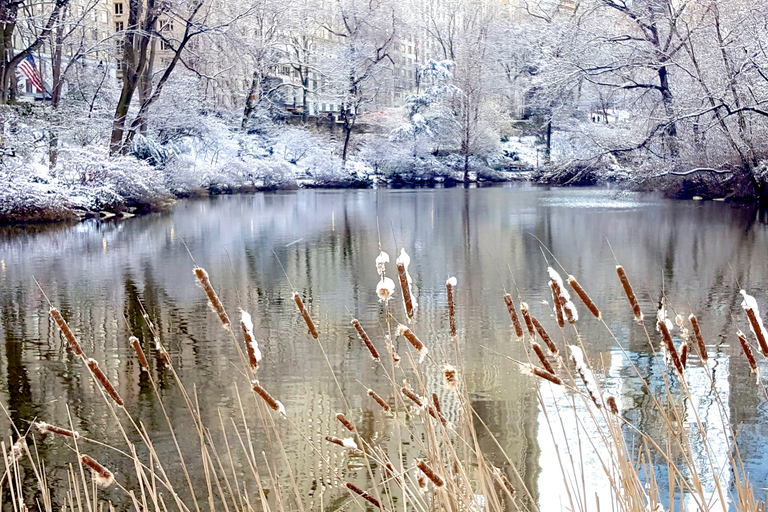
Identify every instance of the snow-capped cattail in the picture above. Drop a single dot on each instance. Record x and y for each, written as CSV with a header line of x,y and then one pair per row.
x,y
430,473
404,331
684,354
347,443
583,296
747,351
102,476
556,300
305,314
544,336
344,421
251,345
587,377
662,326
44,429
391,348
381,260
412,395
513,315
542,357
562,298
449,284
136,344
611,403
275,405
93,365
384,405
385,289
72,342
367,497
366,340
213,299
527,317
755,322
451,377
699,339
630,293
529,369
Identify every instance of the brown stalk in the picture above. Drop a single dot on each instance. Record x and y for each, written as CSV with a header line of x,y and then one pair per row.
x,y
542,357
429,473
216,304
630,293
139,352
344,421
66,331
305,314
544,336
513,315
363,336
699,339
93,365
406,291
583,296
367,497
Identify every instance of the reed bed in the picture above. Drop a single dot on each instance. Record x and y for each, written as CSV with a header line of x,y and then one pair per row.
x,y
434,459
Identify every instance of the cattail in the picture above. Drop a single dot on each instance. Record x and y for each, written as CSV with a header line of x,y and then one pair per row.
x,y
93,365
527,317
755,322
542,374
344,421
630,293
413,396
662,325
544,336
367,497
403,262
587,377
72,342
385,289
699,339
366,339
451,377
305,314
513,315
103,476
164,355
381,260
384,405
430,473
747,350
251,345
503,481
391,348
584,297
684,354
562,298
404,331
451,308
44,429
558,308
213,299
611,402
347,443
275,405
139,352
542,357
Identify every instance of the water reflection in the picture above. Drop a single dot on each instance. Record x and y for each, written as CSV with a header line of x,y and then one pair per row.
x,y
101,275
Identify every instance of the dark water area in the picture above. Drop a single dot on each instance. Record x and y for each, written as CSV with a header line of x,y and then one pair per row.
x,y
101,274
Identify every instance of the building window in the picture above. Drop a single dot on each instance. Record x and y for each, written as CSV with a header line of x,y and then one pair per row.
x,y
118,9
167,45
119,26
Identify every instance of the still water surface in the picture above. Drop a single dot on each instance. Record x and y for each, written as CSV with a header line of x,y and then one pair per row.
x,y
99,273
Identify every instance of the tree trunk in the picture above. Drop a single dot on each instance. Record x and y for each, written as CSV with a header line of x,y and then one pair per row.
x,y
548,150
121,112
251,100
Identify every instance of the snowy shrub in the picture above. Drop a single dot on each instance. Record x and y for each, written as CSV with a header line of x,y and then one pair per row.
x,y
25,199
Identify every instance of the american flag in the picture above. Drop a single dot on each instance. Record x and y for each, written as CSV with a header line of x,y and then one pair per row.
x,y
28,68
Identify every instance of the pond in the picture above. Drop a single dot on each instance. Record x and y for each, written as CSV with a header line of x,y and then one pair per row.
x,y
259,248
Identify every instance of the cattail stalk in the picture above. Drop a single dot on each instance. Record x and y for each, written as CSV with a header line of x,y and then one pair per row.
x,y
305,314
527,317
406,289
404,331
747,351
451,307
72,342
630,293
513,315
424,467
216,304
662,325
139,353
544,336
103,476
344,421
364,336
275,405
699,339
384,405
367,497
44,428
584,297
542,357
93,365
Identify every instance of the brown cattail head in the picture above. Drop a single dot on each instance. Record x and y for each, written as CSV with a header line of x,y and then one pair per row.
x,y
451,377
513,315
542,374
72,342
93,365
364,336
747,351
416,399
384,405
136,344
103,476
344,421
662,325
404,331
305,314
611,402
556,299
527,317
451,308
503,482
405,288
347,443
429,472
44,429
544,336
699,339
630,293
542,357
436,403
367,497
583,296
275,405
213,299
251,345
684,354
757,328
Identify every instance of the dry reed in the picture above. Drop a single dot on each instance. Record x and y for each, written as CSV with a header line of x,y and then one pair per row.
x,y
363,336
584,296
213,299
102,476
136,344
699,339
66,331
93,365
542,357
630,293
513,315
305,314
587,377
